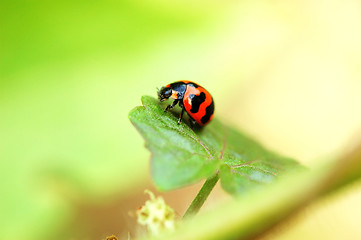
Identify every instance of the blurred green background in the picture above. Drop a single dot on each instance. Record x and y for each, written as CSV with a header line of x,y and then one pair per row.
x,y
72,165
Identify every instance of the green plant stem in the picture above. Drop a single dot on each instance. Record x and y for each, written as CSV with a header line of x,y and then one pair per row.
x,y
201,197
258,212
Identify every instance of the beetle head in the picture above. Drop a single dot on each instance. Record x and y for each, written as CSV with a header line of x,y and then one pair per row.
x,y
164,93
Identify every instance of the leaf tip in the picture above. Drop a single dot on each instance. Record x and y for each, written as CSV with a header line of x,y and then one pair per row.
x,y
146,100
134,113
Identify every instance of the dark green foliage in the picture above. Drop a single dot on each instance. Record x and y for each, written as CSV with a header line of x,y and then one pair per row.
x,y
182,156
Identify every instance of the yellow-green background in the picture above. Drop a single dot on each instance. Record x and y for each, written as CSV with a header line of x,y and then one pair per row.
x,y
287,72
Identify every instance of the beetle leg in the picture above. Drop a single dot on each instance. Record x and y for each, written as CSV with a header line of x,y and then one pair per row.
x,y
181,116
171,106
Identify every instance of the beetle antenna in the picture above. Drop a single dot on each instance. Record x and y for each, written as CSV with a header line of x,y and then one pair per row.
x,y
158,93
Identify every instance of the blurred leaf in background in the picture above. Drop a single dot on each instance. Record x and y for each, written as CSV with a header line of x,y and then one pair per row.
x,y
70,73
287,72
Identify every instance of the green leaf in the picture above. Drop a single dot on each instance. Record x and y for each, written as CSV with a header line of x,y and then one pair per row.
x,y
182,155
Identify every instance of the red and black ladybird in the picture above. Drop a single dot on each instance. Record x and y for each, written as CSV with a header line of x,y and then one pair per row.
x,y
192,98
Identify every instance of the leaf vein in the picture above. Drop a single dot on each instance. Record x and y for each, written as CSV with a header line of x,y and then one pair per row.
x,y
197,139
256,168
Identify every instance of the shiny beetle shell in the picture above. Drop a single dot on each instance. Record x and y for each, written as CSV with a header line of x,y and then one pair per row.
x,y
192,98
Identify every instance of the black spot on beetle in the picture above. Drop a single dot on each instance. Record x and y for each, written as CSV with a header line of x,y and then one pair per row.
x,y
197,101
209,113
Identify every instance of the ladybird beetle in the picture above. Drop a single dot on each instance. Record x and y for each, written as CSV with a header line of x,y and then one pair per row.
x,y
192,98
